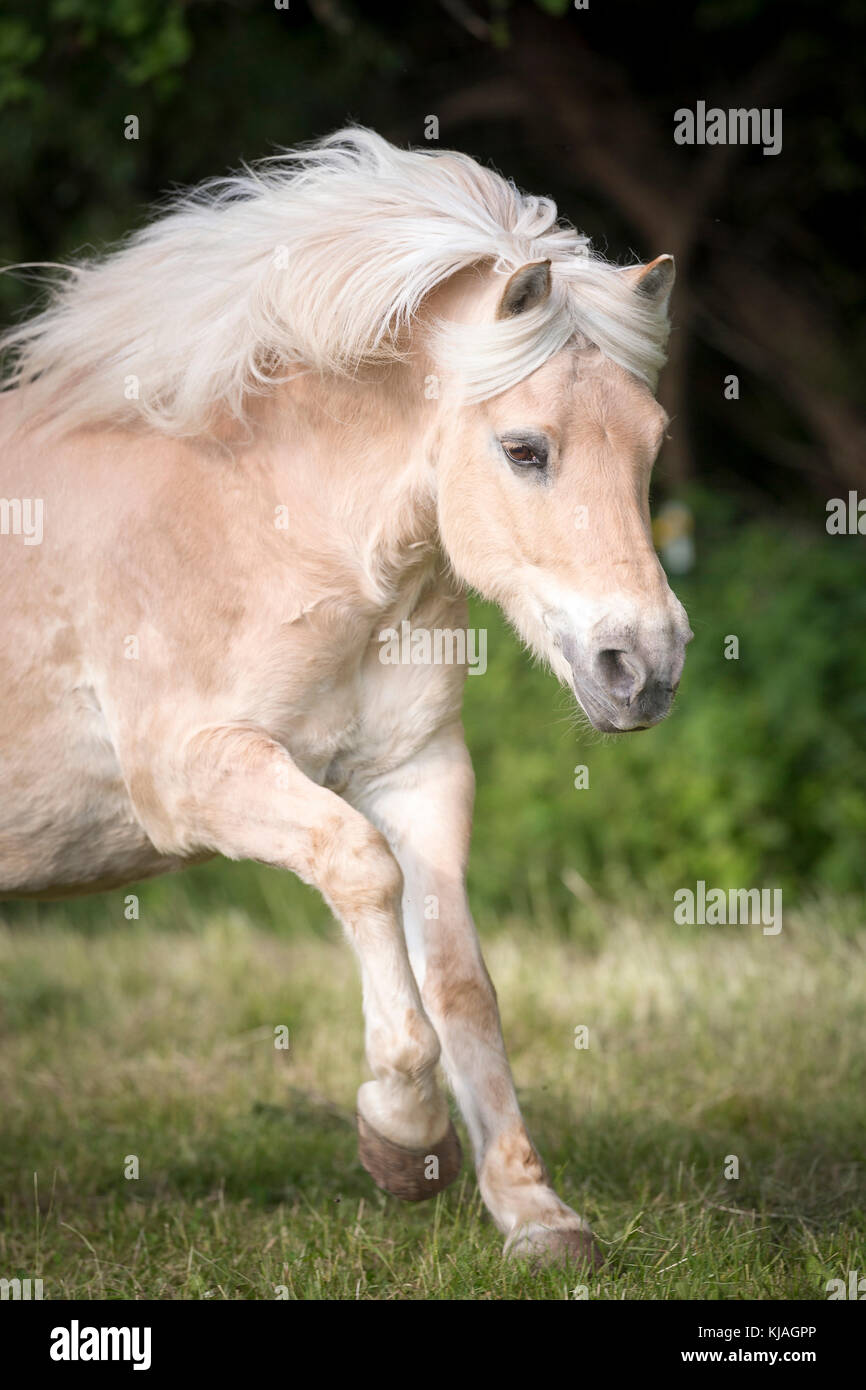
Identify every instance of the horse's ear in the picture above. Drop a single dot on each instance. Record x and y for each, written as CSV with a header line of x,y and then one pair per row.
x,y
654,281
527,287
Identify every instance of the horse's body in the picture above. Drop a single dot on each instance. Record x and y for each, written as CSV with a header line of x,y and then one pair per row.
x,y
192,654
272,628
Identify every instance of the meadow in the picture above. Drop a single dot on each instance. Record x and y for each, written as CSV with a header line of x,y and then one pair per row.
x,y
156,1040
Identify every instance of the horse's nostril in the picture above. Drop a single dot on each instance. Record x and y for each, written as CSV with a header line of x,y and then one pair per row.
x,y
623,673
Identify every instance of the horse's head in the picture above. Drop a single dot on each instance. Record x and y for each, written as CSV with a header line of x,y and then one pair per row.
x,y
543,507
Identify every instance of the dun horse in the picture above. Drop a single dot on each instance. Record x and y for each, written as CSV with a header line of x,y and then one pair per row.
x,y
305,405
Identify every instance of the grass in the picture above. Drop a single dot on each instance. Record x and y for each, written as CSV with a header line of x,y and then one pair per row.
x,y
155,1038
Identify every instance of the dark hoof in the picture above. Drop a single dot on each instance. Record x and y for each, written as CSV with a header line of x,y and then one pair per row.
x,y
411,1174
572,1246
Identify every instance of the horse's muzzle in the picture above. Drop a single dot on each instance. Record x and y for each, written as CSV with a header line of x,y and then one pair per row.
x,y
623,688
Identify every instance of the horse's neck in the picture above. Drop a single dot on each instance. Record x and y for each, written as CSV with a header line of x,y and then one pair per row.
x,y
352,458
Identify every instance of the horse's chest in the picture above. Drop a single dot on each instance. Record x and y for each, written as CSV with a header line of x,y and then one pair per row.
x,y
371,718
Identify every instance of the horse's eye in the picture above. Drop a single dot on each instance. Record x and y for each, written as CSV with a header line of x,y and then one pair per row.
x,y
526,455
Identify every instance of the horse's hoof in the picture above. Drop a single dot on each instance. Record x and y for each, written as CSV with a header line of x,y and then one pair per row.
x,y
412,1174
572,1246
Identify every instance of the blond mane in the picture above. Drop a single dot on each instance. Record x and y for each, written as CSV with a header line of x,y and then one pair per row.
x,y
317,259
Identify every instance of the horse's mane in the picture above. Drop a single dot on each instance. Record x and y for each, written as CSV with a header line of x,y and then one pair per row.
x,y
316,259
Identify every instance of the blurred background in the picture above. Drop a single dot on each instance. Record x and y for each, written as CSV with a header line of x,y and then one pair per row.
x,y
759,776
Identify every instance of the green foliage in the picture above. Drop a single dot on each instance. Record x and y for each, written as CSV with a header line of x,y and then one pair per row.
x,y
758,778
554,7
145,39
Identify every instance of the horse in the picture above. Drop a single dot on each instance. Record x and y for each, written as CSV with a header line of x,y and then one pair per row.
x,y
306,404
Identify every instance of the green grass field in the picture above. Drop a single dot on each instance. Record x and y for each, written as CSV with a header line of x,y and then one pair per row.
x,y
155,1038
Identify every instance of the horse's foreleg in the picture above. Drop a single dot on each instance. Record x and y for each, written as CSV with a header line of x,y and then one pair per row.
x,y
242,796
425,810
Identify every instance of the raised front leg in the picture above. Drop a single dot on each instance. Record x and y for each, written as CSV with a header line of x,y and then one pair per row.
x,y
241,795
425,812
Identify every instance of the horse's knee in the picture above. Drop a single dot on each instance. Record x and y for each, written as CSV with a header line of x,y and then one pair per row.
x,y
356,871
